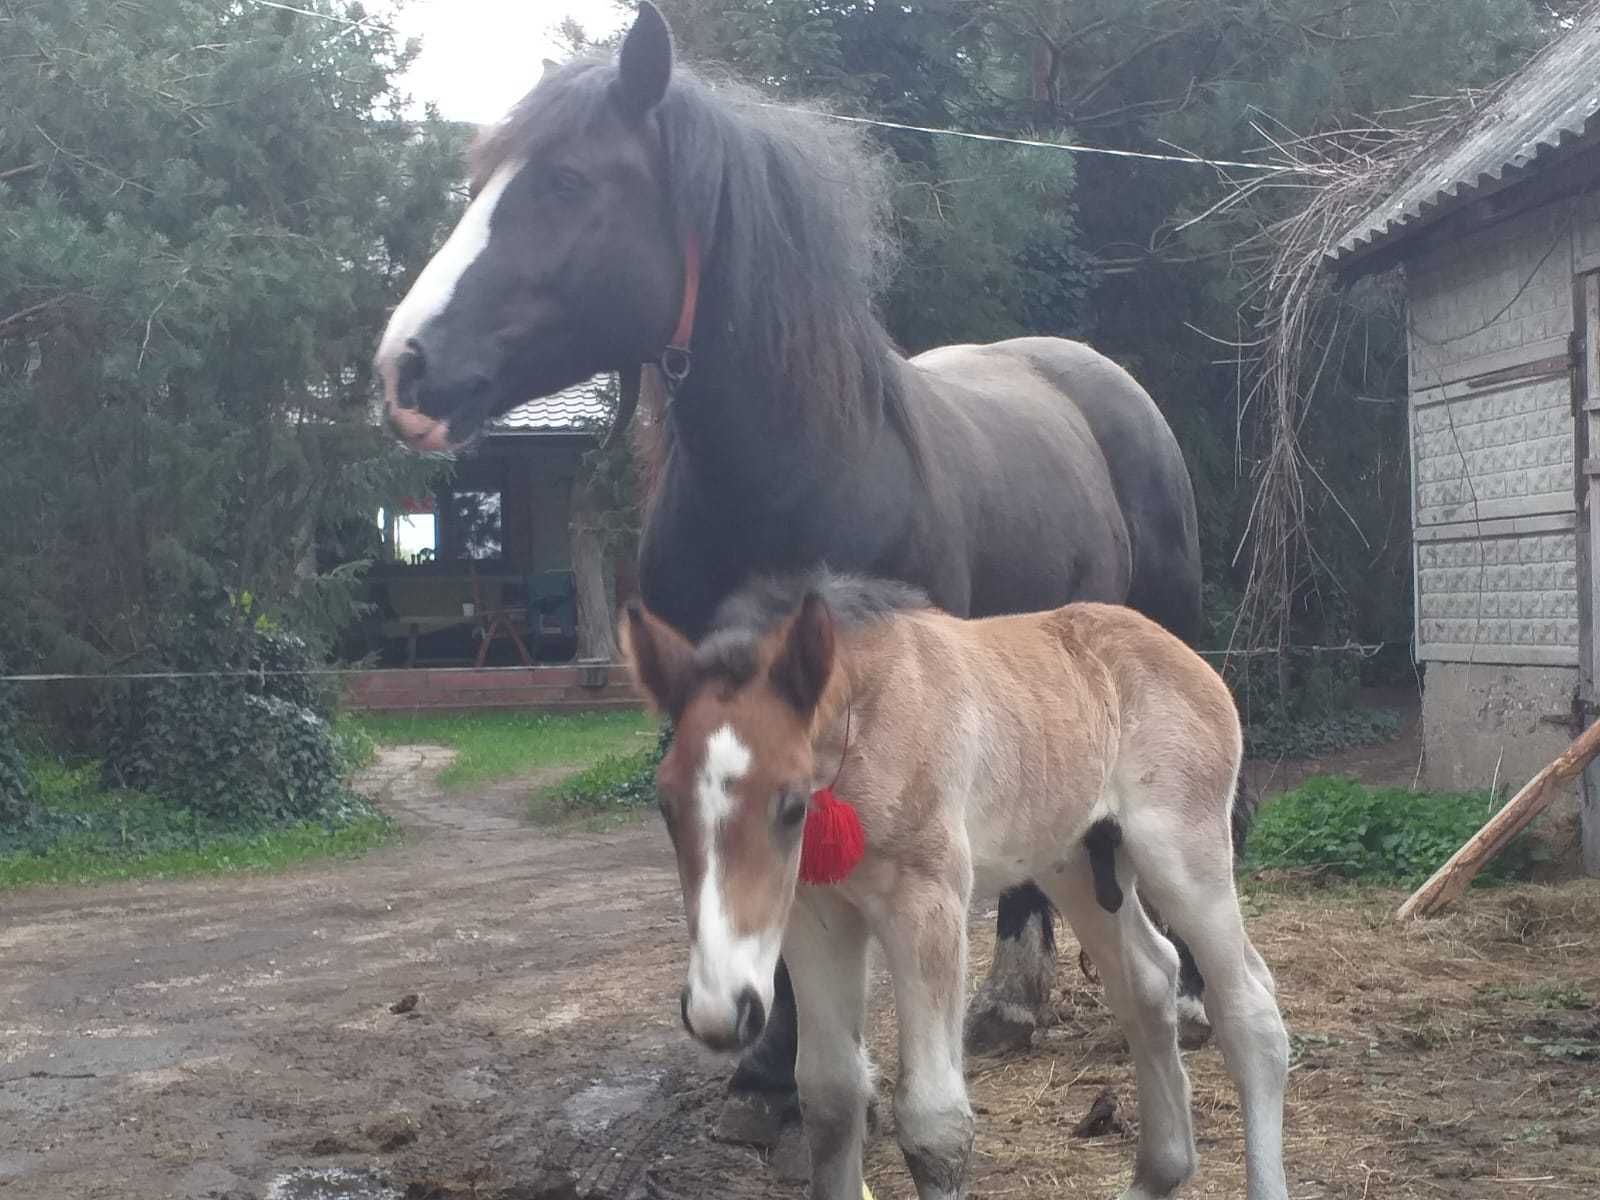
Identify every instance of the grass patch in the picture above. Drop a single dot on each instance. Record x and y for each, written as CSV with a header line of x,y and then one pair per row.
x,y
1344,829
72,861
502,745
77,830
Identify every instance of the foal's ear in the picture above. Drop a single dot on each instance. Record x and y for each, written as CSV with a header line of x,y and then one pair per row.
x,y
645,61
804,663
661,657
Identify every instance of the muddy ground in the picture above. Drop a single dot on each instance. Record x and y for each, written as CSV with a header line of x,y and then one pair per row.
x,y
237,1038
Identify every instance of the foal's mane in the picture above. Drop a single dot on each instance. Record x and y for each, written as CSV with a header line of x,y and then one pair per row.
x,y
790,211
729,653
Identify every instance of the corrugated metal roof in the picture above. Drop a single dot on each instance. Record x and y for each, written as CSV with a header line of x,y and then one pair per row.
x,y
1550,102
577,409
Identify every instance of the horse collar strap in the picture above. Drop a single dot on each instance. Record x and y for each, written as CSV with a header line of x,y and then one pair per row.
x,y
675,359
833,840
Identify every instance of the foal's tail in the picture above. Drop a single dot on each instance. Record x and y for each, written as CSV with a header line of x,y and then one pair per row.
x,y
1105,835
1243,814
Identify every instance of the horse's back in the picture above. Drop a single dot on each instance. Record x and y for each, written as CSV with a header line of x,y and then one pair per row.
x,y
1013,390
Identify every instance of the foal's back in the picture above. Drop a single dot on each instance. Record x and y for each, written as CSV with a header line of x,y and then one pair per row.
x,y
1037,725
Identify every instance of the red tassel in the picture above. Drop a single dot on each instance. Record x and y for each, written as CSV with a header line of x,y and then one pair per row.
x,y
833,841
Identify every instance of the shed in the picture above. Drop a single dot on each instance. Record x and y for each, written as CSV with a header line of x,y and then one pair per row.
x,y
496,535
1496,226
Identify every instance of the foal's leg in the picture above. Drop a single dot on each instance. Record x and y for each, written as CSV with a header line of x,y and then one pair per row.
x,y
925,942
1196,893
826,945
1010,1004
1140,970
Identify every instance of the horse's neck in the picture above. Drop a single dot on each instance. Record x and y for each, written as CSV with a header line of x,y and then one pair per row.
x,y
748,435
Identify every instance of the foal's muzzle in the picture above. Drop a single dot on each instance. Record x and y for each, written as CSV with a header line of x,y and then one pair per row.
x,y
748,1019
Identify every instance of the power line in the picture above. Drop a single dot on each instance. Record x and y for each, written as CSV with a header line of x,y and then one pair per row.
x,y
1194,160
1106,151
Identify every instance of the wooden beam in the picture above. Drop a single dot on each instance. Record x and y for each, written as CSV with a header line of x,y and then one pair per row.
x,y
1450,880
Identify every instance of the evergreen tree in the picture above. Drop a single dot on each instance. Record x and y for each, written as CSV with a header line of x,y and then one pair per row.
x,y
205,212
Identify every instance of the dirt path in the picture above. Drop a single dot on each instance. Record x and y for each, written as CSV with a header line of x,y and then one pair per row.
x,y
234,1039
200,1038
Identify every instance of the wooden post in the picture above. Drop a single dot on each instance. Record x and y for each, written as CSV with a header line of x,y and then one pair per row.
x,y
1450,880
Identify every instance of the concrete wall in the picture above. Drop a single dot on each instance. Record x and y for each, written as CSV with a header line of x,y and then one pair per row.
x,y
1478,717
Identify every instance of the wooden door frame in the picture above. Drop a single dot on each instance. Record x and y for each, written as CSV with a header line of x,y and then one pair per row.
x,y
1585,354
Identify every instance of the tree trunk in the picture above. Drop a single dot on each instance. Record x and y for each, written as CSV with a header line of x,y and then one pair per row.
x,y
593,577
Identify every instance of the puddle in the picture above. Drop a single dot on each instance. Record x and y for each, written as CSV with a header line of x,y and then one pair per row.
x,y
330,1183
597,1106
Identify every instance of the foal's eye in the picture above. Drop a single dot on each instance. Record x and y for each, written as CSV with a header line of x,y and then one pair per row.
x,y
791,810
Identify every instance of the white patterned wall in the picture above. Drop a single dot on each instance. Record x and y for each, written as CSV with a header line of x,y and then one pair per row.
x,y
1514,591
1493,454
1492,467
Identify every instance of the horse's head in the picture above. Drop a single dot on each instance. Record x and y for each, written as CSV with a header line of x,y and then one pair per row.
x,y
734,789
566,263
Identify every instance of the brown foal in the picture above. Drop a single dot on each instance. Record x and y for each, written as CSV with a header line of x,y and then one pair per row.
x,y
1085,748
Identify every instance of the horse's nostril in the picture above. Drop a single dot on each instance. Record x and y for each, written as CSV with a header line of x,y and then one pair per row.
x,y
752,1016
683,1011
409,368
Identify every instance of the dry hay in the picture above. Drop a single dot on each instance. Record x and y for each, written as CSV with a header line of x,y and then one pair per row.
x,y
1446,1059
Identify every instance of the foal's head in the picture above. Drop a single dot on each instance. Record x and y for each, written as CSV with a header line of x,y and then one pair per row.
x,y
734,789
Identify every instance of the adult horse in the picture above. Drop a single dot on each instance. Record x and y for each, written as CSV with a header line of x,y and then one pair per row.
x,y
624,213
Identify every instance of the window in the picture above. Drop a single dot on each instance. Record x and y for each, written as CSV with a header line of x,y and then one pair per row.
x,y
472,525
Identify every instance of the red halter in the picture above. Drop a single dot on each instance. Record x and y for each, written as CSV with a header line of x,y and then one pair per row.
x,y
675,360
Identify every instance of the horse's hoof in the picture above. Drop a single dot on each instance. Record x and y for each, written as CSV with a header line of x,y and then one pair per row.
x,y
757,1118
1194,1028
998,1027
791,1157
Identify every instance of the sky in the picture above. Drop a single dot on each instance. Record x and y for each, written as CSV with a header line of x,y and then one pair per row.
x,y
479,57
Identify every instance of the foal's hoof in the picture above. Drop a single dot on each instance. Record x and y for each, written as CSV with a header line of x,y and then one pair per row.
x,y
1194,1029
757,1118
998,1026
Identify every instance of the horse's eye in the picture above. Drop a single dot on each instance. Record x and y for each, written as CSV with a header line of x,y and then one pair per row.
x,y
567,183
791,810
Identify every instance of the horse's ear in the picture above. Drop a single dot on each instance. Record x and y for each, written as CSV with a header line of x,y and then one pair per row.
x,y
548,68
645,61
804,663
662,659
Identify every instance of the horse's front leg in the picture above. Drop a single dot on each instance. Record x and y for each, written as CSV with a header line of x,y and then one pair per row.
x,y
924,936
826,948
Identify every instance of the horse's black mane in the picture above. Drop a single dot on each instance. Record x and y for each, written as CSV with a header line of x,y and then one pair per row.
x,y
791,212
728,652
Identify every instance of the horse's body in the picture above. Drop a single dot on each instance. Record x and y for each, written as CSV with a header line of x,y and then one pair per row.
x,y
1015,476
978,754
619,199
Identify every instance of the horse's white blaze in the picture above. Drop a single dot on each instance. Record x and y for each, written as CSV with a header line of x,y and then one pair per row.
x,y
722,963
440,278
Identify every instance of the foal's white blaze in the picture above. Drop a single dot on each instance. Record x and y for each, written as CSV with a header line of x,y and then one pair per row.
x,y
439,279
723,964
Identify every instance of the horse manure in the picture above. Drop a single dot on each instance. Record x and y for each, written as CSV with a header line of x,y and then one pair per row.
x,y
1101,1118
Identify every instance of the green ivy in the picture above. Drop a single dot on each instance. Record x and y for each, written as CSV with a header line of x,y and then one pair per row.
x,y
1389,835
617,782
1309,737
247,750
17,807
